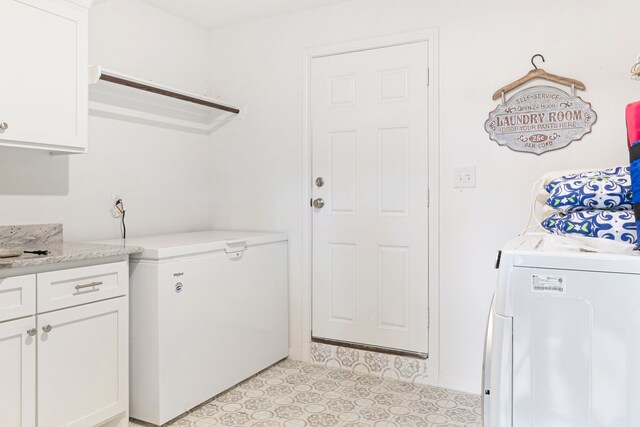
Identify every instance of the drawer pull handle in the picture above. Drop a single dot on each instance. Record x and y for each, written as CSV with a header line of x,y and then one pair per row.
x,y
31,332
88,285
178,274
47,328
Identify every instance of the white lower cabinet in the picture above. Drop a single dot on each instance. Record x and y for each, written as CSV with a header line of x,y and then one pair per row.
x,y
68,367
18,373
82,379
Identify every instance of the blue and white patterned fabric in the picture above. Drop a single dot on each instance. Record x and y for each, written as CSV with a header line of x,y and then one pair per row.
x,y
619,226
611,192
618,171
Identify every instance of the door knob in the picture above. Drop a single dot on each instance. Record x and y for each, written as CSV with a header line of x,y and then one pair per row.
x,y
318,203
4,126
31,332
47,328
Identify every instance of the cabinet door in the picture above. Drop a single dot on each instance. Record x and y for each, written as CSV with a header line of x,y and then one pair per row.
x,y
83,364
43,75
18,373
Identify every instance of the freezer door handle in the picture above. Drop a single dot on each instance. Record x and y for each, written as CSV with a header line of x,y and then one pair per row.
x,y
486,366
236,249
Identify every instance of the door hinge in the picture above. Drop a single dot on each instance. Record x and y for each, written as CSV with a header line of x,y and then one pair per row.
x,y
428,76
428,319
428,198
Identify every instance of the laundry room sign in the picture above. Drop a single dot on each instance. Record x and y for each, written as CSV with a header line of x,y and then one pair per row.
x,y
540,119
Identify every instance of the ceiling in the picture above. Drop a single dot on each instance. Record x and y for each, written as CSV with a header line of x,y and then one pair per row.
x,y
212,14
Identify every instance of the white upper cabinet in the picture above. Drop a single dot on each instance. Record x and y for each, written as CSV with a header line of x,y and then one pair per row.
x,y
43,75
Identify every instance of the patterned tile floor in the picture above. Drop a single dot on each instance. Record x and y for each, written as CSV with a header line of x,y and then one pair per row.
x,y
296,394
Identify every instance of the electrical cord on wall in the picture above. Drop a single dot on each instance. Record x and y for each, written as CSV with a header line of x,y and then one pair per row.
x,y
535,192
120,207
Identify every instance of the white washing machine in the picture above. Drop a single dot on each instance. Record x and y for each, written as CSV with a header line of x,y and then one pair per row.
x,y
563,337
207,310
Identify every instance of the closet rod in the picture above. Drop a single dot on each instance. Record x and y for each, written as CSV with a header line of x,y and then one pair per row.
x,y
164,92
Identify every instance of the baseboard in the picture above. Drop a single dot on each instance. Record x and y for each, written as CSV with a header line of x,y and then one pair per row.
x,y
457,383
295,354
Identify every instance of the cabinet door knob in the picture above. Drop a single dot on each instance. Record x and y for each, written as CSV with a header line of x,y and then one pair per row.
x,y
4,126
47,328
31,332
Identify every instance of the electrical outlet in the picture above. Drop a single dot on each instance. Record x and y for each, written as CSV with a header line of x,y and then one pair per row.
x,y
464,177
114,198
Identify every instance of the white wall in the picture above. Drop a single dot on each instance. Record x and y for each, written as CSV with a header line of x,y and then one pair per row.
x,y
135,38
162,173
256,163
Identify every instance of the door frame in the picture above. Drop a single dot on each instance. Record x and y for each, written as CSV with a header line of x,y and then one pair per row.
x,y
431,37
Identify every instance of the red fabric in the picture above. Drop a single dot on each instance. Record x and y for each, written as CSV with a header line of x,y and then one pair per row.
x,y
633,123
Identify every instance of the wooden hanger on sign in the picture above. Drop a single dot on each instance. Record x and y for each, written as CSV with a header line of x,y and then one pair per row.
x,y
538,73
635,70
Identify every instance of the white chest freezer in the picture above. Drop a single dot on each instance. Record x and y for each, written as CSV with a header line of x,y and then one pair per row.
x,y
208,310
563,340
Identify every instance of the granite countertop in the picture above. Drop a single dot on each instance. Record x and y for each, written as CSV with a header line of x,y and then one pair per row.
x,y
49,237
65,252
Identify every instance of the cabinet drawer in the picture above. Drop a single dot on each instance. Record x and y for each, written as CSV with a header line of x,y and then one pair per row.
x,y
17,297
66,288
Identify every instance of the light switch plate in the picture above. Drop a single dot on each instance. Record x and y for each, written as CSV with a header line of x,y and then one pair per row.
x,y
464,177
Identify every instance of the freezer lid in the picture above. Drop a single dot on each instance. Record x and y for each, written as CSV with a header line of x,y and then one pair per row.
x,y
164,246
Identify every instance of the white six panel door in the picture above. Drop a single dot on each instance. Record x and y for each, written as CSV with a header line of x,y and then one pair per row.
x,y
370,240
